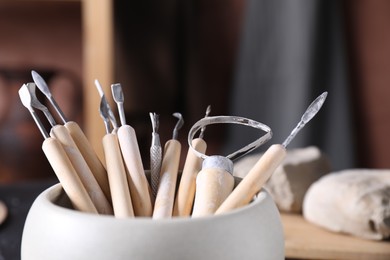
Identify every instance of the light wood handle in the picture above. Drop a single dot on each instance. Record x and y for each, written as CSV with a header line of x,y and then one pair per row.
x,y
95,192
139,186
90,156
120,193
186,191
67,176
163,205
213,186
255,179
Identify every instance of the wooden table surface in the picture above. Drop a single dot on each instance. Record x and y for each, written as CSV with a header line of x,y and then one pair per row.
x,y
307,241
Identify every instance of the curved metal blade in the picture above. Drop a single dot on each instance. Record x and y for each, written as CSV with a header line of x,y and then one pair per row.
x,y
102,96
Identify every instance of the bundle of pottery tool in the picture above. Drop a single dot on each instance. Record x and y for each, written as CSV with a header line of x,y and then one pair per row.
x,y
119,186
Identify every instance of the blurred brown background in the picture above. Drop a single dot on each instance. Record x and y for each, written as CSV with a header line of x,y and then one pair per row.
x,y
180,56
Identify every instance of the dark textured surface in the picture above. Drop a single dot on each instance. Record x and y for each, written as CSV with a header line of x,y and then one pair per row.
x,y
18,198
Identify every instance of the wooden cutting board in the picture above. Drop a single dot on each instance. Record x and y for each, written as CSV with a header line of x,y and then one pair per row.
x,y
307,241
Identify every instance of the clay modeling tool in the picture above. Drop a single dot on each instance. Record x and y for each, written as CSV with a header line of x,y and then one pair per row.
x,y
192,166
79,138
163,205
110,113
59,161
86,176
139,186
120,193
266,165
155,154
215,181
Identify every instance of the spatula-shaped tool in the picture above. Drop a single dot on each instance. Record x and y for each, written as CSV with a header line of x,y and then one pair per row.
x,y
269,161
79,138
120,193
139,186
59,161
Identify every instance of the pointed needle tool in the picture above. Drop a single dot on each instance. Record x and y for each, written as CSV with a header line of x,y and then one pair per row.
x,y
78,136
59,161
139,186
120,193
252,183
192,166
155,154
163,206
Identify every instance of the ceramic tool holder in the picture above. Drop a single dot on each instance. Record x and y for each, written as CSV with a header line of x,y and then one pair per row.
x,y
215,181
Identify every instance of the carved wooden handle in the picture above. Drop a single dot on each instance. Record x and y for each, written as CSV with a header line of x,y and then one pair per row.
x,y
213,186
90,156
186,191
139,186
67,176
163,205
120,193
256,178
86,176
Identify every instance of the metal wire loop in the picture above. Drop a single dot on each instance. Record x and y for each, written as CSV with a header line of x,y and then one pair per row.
x,y
231,120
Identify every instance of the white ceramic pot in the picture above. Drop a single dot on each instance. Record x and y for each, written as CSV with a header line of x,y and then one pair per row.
x,y
54,231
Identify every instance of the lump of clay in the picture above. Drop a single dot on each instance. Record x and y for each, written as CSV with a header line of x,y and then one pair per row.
x,y
290,181
355,202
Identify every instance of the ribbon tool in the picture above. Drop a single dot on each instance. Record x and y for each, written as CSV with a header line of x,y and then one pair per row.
x,y
215,181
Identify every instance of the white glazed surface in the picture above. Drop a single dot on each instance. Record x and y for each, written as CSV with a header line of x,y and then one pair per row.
x,y
55,232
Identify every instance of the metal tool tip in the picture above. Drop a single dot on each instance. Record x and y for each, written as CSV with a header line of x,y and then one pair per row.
x,y
155,121
25,96
208,110
178,125
117,92
99,87
203,129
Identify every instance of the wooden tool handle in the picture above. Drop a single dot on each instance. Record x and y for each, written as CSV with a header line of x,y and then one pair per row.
x,y
95,192
90,156
213,186
186,191
139,186
255,179
120,193
163,205
67,176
